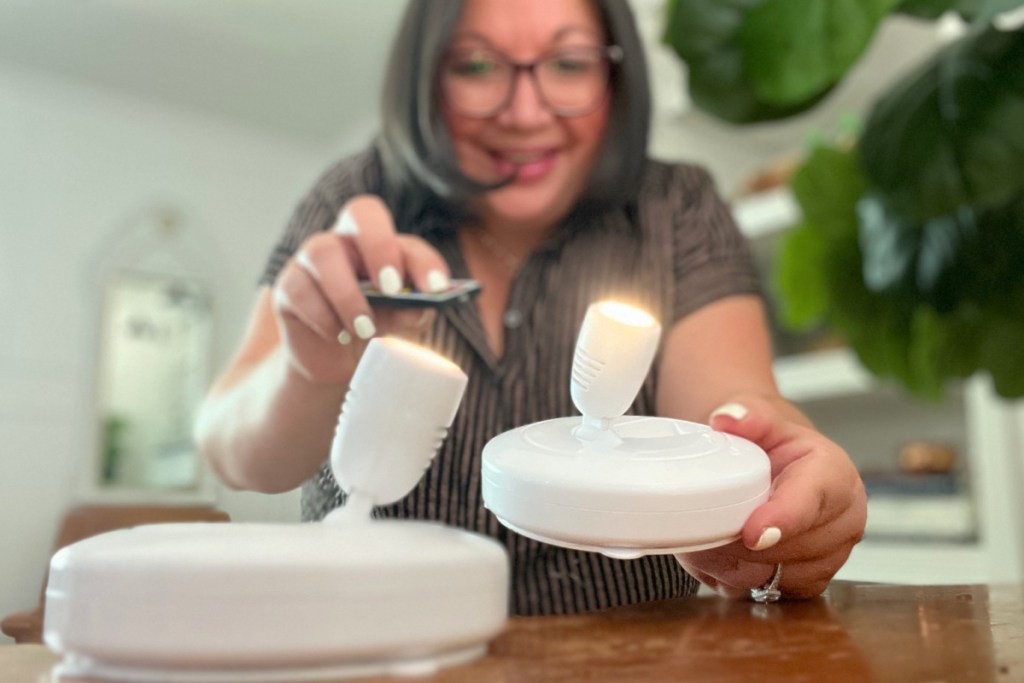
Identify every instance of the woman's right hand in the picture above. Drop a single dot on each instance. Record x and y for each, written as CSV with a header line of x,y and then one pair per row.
x,y
322,315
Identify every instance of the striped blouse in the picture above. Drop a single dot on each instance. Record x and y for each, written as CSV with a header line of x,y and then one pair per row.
x,y
676,250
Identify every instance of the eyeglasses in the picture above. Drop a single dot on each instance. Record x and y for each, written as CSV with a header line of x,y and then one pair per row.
x,y
570,81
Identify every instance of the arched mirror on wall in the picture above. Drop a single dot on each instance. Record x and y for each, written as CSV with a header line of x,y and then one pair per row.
x,y
153,360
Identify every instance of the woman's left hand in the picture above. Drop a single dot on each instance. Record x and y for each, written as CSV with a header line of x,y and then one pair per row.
x,y
815,515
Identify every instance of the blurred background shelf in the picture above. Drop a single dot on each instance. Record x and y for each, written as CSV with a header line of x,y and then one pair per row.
x,y
822,374
766,213
921,519
919,563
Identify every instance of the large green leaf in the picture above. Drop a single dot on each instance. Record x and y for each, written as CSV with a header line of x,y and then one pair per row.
x,y
826,186
935,352
757,60
887,248
801,278
706,35
951,133
973,254
1001,355
796,50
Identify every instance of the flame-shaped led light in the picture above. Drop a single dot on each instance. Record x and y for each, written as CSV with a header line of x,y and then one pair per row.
x,y
400,403
614,350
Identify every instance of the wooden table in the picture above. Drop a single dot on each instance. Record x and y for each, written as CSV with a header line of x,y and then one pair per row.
x,y
856,632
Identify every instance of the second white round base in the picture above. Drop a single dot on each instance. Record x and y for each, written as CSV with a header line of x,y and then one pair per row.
x,y
644,486
619,553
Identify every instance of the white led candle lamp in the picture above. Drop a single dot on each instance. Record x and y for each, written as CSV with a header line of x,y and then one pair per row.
x,y
263,603
614,351
400,403
622,485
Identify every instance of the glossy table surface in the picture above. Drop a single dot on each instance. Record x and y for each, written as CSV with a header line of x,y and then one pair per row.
x,y
856,632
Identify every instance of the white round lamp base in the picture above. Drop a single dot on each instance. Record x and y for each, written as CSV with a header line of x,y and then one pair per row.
x,y
618,552
82,667
645,486
219,603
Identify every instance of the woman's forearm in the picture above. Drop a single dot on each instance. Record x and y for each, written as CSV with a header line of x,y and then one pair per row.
x,y
270,430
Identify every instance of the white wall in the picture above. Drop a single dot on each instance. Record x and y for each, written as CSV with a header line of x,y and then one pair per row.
x,y
1016,429
76,163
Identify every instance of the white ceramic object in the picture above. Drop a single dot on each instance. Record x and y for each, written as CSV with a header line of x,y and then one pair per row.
x,y
623,486
265,602
352,596
400,403
614,350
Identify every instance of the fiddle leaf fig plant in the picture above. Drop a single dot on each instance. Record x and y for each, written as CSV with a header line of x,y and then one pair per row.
x,y
757,60
911,242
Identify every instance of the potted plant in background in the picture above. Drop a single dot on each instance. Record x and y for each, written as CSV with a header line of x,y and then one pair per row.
x,y
911,241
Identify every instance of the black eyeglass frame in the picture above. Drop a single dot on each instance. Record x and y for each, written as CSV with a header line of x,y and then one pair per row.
x,y
612,55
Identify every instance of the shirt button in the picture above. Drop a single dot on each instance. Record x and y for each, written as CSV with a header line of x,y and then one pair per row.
x,y
513,318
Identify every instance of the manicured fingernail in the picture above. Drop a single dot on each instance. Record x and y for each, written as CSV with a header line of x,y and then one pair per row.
x,y
437,281
390,281
364,327
733,410
769,537
346,225
344,338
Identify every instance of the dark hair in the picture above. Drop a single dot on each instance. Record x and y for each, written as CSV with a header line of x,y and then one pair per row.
x,y
418,160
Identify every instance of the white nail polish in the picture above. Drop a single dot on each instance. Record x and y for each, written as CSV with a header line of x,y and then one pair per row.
x,y
344,338
364,327
390,281
437,281
733,410
346,225
769,537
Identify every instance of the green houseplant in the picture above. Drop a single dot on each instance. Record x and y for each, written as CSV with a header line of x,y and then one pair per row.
x,y
911,242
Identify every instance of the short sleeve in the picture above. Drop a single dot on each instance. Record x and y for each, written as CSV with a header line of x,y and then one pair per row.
x,y
711,257
318,210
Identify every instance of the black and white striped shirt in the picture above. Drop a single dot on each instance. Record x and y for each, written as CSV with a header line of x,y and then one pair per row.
x,y
676,251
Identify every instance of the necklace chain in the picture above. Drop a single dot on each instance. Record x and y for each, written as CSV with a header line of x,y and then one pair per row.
x,y
499,251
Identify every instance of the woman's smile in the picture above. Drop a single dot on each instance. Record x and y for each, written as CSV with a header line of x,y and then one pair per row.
x,y
524,165
546,159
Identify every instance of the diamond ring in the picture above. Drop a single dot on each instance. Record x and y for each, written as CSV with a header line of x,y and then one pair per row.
x,y
770,591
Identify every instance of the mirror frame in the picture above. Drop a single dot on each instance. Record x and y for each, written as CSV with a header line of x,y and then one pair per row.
x,y
155,242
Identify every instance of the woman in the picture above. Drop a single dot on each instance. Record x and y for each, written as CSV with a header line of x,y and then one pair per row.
x,y
512,152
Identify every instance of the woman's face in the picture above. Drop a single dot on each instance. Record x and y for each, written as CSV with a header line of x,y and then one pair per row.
x,y
548,157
